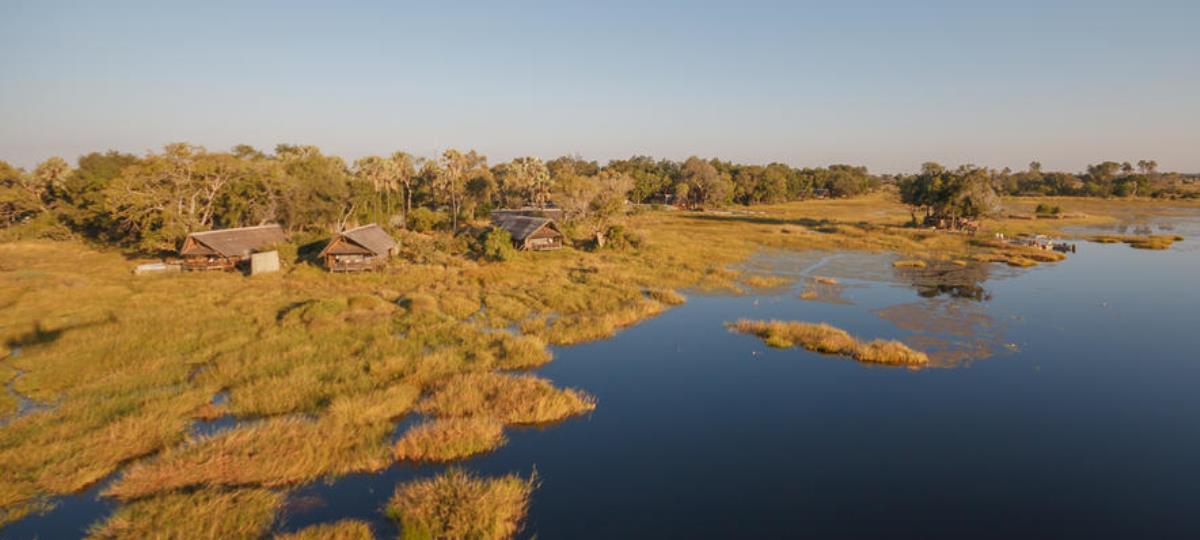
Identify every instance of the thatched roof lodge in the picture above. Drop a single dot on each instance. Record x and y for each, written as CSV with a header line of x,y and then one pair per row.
x,y
226,248
531,233
362,248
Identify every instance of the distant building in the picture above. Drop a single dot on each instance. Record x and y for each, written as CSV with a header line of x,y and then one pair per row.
x,y
225,249
530,233
363,248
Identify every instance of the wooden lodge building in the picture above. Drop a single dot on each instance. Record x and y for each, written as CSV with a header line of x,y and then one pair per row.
x,y
363,248
225,249
531,233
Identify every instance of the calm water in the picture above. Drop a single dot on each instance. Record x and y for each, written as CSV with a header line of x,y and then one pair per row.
x,y
1077,416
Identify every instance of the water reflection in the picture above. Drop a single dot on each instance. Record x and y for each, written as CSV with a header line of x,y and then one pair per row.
x,y
947,278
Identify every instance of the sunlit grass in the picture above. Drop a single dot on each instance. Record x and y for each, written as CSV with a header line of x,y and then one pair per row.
x,y
233,514
513,399
448,439
459,505
347,529
827,339
1157,242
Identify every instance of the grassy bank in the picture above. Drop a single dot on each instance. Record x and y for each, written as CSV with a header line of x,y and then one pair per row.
x,y
318,366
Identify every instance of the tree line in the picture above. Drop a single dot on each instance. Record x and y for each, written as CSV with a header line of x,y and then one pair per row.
x,y
149,203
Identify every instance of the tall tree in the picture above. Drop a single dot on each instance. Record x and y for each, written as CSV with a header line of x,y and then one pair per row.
x,y
706,185
406,173
456,169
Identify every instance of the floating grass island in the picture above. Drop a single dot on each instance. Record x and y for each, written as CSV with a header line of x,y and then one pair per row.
x,y
827,339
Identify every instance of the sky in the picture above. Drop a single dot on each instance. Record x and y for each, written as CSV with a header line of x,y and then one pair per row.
x,y
886,84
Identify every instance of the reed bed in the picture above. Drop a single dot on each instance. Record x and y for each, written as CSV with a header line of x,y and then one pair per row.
x,y
456,504
1154,241
513,399
450,439
237,514
827,339
346,529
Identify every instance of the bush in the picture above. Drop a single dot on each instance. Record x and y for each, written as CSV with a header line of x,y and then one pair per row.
x,y
426,220
1044,209
498,246
618,237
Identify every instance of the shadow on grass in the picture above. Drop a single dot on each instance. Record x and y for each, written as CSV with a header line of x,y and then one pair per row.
x,y
41,335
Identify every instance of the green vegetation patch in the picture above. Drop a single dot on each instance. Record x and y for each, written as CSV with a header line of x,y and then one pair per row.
x,y
459,505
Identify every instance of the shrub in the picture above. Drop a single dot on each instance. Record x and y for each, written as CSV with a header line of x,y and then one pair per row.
x,y
619,237
498,246
425,220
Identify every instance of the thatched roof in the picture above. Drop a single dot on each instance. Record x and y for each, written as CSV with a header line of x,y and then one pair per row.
x,y
233,242
521,227
371,238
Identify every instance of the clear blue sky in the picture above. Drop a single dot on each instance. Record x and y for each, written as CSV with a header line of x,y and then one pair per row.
x,y
888,84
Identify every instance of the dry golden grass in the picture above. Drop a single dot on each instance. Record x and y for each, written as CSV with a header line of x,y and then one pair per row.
x,y
827,339
766,282
8,402
203,514
1158,242
825,280
351,437
909,263
666,296
513,399
347,529
458,505
448,439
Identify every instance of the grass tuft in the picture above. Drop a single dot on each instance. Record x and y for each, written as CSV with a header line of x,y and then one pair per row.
x,y
513,399
666,296
458,505
346,529
448,439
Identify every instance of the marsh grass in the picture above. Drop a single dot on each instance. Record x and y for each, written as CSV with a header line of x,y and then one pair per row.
x,y
666,296
458,505
1154,241
125,364
827,339
350,437
204,513
513,399
449,439
8,401
346,529
909,263
766,282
